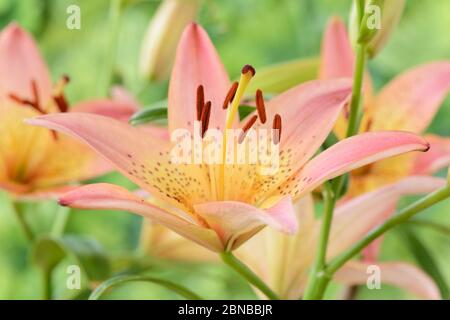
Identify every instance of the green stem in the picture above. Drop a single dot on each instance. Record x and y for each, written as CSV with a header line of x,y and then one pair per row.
x,y
230,260
111,53
59,225
353,120
47,284
401,217
22,221
98,292
317,278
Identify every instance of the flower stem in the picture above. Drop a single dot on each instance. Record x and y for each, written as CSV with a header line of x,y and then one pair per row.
x,y
401,217
22,221
353,120
47,284
59,225
317,278
229,259
111,53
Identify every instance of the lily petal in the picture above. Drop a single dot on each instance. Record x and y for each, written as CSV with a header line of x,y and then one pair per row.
x,y
308,113
20,64
196,63
282,260
402,275
337,58
436,158
109,108
145,160
119,93
337,61
236,222
355,218
112,197
410,101
352,153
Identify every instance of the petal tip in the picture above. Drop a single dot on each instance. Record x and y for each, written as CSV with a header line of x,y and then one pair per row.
x,y
63,202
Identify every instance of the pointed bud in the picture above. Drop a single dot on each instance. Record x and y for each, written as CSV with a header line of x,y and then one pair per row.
x,y
162,36
378,22
448,177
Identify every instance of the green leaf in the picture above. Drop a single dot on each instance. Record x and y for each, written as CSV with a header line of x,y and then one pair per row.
x,y
132,278
244,111
49,252
90,255
148,115
280,77
426,261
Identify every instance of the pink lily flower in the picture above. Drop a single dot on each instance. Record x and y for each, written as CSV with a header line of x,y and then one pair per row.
x,y
409,102
221,206
283,262
36,162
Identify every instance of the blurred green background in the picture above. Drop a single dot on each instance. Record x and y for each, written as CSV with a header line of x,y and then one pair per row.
x,y
260,32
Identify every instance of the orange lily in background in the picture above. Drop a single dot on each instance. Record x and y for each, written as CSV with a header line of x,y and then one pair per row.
x,y
283,262
409,102
220,206
36,162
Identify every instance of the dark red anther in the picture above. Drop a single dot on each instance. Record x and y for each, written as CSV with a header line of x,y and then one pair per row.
x,y
260,107
61,103
230,95
247,127
200,101
206,112
277,129
35,94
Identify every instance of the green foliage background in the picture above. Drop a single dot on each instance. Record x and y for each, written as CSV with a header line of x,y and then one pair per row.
x,y
260,32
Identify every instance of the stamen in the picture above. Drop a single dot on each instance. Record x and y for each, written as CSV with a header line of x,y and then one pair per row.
x,y
61,102
58,94
260,106
200,101
59,86
206,112
247,74
34,103
277,128
247,127
19,100
230,95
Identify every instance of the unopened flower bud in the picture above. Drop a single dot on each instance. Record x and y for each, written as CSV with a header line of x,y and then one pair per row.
x,y
379,20
162,36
